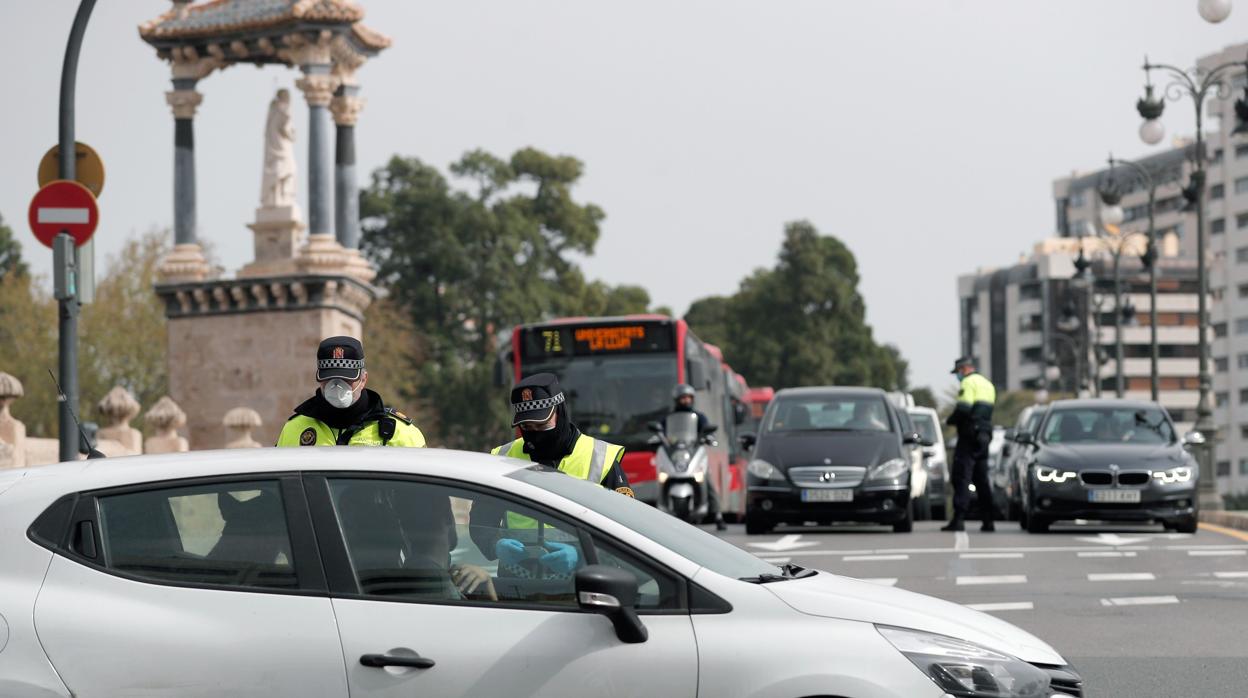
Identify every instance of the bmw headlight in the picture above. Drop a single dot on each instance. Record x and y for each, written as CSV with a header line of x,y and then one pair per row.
x,y
1173,475
1046,474
889,470
968,670
763,470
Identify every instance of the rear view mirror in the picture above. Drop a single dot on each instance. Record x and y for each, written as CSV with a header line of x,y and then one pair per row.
x,y
1011,434
747,441
697,376
929,451
709,429
655,427
914,438
611,592
1193,438
1025,438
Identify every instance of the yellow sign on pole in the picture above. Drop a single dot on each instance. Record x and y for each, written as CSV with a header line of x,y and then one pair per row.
x,y
89,172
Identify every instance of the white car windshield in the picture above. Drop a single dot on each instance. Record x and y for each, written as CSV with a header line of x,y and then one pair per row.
x,y
687,541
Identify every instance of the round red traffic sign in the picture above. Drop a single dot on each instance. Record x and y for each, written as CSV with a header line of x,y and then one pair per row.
x,y
63,205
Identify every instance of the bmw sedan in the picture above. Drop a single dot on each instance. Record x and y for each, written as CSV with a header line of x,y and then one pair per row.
x,y
379,573
1108,460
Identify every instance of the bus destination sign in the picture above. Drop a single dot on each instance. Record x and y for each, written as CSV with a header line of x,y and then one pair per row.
x,y
590,340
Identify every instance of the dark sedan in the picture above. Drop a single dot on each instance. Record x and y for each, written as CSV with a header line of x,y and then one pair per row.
x,y
1107,460
831,454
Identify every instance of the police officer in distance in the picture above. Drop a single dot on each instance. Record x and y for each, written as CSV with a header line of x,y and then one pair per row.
x,y
547,436
343,412
973,419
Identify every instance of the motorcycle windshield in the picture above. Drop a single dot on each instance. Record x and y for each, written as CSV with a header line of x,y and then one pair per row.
x,y
682,427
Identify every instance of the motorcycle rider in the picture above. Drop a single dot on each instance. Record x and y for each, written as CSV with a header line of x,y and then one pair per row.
x,y
682,398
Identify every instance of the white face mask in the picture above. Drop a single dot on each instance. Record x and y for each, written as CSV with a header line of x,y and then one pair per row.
x,y
338,393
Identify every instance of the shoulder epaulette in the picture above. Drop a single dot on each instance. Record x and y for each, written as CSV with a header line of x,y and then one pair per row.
x,y
399,416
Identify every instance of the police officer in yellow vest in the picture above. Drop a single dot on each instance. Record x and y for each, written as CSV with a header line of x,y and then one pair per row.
x,y
973,418
548,436
343,412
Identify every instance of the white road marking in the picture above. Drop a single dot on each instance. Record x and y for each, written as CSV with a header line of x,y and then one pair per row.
x,y
1106,553
63,215
873,558
882,581
1009,606
990,556
995,579
961,541
786,543
1112,539
1231,575
1216,553
1139,601
1122,577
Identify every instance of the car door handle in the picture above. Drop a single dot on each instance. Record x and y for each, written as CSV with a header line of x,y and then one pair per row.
x,y
384,660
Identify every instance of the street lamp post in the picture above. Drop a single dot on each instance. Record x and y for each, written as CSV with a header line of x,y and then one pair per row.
x,y
1149,259
1115,239
1197,85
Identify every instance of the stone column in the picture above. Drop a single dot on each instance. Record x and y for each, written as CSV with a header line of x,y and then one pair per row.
x,y
346,107
186,262
318,89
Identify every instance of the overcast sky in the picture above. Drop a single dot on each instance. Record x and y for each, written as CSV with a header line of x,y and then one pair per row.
x,y
924,133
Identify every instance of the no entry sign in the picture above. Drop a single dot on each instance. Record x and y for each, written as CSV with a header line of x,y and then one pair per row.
x,y
63,205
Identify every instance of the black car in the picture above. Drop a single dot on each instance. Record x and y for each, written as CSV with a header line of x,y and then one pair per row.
x,y
1107,460
830,454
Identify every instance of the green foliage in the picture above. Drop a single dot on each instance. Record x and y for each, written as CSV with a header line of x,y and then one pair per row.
x,y
10,253
1009,404
466,266
924,397
802,322
1235,501
28,348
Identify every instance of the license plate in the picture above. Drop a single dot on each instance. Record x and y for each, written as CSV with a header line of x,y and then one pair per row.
x,y
1114,496
827,495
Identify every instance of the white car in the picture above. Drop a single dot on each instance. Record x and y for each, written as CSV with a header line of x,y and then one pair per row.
x,y
928,423
372,573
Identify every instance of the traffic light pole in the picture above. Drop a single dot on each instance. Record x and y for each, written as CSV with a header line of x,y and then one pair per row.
x,y
67,292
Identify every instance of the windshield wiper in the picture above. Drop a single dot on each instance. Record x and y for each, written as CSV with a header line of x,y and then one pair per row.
x,y
765,578
790,571
793,571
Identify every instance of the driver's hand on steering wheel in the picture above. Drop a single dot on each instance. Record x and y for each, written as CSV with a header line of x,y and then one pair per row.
x,y
470,578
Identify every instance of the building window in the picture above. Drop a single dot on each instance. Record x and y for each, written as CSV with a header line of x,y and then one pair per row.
x,y
1217,226
1243,290
1241,185
1243,395
1241,150
1219,328
1241,360
1217,157
1243,466
1222,400
1217,191
1221,364
1241,325
1241,254
1076,199
1224,468
1241,220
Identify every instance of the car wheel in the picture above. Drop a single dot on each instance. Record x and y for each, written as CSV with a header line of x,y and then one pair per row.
x,y
906,524
1035,524
756,525
922,508
1187,524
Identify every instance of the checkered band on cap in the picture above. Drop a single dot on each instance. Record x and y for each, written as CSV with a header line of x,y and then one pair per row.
x,y
543,404
326,364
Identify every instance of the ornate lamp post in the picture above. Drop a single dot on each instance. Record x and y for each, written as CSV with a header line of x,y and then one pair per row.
x,y
1112,216
1214,11
1197,85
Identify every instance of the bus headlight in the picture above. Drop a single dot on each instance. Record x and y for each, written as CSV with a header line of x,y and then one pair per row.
x,y
1173,475
764,471
1047,474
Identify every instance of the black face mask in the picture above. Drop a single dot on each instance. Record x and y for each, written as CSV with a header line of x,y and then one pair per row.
x,y
541,444
553,445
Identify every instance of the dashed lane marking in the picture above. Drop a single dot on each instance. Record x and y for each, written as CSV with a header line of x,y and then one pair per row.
x,y
993,579
1140,601
1007,606
1122,577
873,558
990,556
1216,553
961,541
882,581
1231,575
1106,553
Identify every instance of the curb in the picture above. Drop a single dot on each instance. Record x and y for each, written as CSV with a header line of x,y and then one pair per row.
x,y
1229,519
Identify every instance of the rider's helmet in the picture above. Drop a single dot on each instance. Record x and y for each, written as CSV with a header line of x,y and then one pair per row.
x,y
682,390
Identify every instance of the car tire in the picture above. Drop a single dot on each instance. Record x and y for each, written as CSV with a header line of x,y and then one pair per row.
x,y
906,524
756,525
1035,524
921,508
1187,524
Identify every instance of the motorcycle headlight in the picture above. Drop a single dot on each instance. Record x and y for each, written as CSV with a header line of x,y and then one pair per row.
x,y
1173,475
889,470
764,470
967,670
1046,474
681,460
662,477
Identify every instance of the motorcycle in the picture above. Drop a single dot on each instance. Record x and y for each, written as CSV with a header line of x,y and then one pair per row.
x,y
682,466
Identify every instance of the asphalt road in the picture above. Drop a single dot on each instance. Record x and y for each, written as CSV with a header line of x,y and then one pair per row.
x,y
1138,611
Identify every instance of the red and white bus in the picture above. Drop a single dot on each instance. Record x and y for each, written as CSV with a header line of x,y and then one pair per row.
x,y
618,374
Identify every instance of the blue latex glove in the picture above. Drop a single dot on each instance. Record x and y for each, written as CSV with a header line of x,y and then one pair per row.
x,y
561,559
509,551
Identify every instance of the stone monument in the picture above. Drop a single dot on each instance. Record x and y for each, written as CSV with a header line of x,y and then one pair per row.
x,y
12,431
166,418
251,339
239,423
116,409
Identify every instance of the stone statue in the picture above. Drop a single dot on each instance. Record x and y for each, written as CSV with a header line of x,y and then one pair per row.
x,y
116,409
166,418
239,423
12,431
277,188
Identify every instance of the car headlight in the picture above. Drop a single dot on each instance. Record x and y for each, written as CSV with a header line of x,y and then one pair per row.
x,y
1046,474
1173,475
889,470
967,670
762,469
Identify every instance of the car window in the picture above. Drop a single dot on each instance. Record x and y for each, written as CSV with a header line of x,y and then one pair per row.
x,y
925,425
829,413
228,534
1125,425
420,541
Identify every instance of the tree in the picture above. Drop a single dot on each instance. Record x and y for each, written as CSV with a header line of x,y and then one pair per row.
x,y
467,265
10,253
924,397
28,349
802,322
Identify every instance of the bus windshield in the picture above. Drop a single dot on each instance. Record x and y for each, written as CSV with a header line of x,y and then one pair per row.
x,y
615,397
